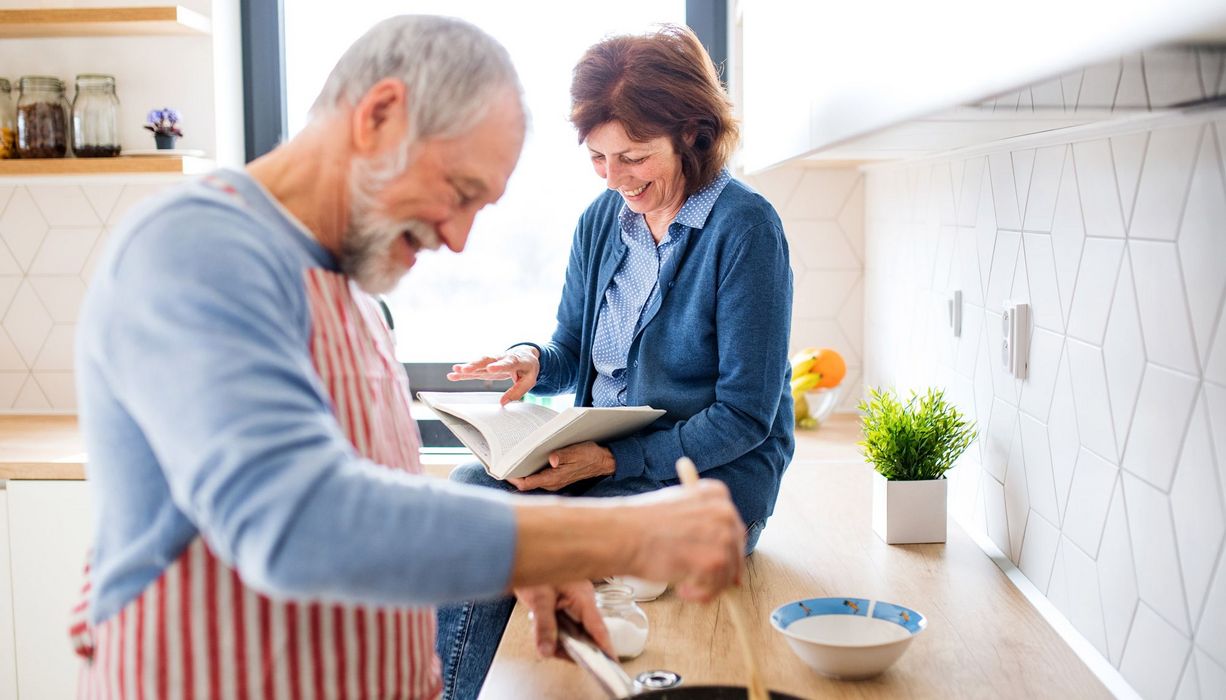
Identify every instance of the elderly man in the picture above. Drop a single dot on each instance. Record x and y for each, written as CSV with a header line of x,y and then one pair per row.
x,y
260,529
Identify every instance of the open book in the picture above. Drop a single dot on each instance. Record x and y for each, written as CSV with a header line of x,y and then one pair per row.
x,y
515,440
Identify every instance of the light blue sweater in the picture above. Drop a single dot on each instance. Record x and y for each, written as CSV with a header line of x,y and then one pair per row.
x,y
202,414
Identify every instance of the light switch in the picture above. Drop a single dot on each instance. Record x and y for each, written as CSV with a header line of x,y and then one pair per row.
x,y
1015,331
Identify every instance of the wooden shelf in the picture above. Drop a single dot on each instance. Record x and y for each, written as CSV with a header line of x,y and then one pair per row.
x,y
102,21
105,166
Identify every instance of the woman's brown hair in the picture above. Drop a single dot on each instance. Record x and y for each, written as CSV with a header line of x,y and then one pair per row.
x,y
658,84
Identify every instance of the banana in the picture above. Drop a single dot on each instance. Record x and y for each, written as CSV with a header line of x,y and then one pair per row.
x,y
804,384
803,361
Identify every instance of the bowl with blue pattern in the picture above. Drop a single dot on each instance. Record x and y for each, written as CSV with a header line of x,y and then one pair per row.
x,y
847,638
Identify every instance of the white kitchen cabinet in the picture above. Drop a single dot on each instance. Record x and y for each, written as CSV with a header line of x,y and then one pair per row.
x,y
8,657
48,534
846,70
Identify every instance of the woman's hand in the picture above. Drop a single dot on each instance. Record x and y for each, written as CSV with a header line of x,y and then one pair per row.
x,y
521,364
578,599
568,465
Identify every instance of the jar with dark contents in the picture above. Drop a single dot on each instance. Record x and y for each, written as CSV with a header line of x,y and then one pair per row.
x,y
8,118
42,118
95,108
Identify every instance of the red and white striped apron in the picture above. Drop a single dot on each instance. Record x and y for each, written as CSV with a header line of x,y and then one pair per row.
x,y
199,632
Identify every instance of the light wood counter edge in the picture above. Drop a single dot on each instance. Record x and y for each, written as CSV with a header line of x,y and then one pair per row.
x,y
36,471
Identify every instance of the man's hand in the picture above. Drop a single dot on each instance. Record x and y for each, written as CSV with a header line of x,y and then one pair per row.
x,y
690,535
568,465
521,364
578,599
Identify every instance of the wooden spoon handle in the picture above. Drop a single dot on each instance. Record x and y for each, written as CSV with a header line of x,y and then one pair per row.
x,y
688,474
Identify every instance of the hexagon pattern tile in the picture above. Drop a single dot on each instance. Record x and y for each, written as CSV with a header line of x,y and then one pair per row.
x,y
1123,352
1100,263
1040,480
1156,551
1154,657
823,217
1163,409
1117,580
1164,307
1199,520
50,238
1201,244
1164,182
1103,473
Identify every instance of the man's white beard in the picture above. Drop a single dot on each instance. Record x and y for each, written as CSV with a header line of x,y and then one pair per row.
x,y
366,255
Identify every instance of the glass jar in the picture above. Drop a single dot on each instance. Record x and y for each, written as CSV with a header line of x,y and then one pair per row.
x,y
8,118
42,118
95,117
626,621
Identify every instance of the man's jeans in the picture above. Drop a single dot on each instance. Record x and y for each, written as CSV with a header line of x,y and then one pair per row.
x,y
469,632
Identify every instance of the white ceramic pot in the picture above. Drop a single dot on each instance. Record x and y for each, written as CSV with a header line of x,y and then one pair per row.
x,y
909,512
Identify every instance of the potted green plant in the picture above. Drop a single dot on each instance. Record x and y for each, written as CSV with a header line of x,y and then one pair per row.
x,y
911,445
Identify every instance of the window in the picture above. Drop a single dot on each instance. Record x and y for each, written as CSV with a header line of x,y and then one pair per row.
x,y
505,286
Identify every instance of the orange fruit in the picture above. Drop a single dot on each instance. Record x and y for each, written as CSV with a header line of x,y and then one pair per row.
x,y
831,366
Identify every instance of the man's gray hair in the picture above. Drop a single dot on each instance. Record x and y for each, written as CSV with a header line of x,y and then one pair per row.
x,y
451,68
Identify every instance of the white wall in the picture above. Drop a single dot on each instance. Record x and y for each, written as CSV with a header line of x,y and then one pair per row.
x,y
53,228
823,217
1102,474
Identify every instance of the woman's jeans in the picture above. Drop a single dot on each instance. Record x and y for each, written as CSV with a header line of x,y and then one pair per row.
x,y
469,632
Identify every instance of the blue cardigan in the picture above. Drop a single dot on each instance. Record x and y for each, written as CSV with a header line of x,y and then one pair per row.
x,y
711,350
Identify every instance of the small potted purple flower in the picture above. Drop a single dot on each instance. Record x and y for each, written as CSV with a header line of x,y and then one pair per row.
x,y
164,123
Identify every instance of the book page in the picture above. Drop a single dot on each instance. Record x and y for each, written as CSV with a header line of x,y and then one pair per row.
x,y
502,427
571,426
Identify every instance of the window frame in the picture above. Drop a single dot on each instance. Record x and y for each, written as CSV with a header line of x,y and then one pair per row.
x,y
266,123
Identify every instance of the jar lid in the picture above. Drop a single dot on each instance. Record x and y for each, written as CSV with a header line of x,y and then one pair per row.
x,y
40,82
95,80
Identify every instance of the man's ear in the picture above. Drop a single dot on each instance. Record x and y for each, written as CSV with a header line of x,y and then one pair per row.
x,y
380,118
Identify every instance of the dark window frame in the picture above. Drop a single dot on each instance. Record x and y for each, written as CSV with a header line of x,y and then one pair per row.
x,y
265,125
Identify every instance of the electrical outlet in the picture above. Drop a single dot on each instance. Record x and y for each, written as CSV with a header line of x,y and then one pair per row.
x,y
1015,331
954,304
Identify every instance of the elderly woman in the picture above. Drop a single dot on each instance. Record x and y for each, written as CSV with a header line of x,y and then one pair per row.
x,y
678,295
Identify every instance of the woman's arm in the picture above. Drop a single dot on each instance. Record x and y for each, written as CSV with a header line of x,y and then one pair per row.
x,y
752,332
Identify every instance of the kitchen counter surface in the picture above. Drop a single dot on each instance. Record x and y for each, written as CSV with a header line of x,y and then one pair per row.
x,y
984,639
45,447
41,447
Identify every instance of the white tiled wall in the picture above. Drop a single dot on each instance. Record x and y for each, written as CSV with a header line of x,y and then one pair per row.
x,y
51,233
823,216
1103,474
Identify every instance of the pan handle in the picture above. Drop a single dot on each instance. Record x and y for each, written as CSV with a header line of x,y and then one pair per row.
x,y
580,647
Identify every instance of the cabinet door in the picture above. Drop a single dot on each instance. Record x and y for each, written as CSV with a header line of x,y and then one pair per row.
x,y
777,86
49,532
8,659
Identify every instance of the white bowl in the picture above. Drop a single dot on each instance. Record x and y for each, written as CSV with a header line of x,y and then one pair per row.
x,y
642,589
847,638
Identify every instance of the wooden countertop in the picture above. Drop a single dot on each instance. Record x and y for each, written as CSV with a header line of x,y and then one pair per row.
x,y
45,447
41,447
984,639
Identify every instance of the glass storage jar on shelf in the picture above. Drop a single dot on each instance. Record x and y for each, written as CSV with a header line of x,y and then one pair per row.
x,y
42,118
8,118
625,620
95,117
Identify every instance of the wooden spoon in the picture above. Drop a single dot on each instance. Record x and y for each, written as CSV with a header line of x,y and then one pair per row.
x,y
688,474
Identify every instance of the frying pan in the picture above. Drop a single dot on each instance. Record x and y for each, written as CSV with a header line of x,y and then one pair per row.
x,y
617,684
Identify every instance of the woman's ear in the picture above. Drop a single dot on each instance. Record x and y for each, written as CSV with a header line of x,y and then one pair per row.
x,y
380,118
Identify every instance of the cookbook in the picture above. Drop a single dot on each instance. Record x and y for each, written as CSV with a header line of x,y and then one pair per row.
x,y
515,440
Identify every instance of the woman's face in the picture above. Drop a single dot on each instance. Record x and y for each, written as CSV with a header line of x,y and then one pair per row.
x,y
646,173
